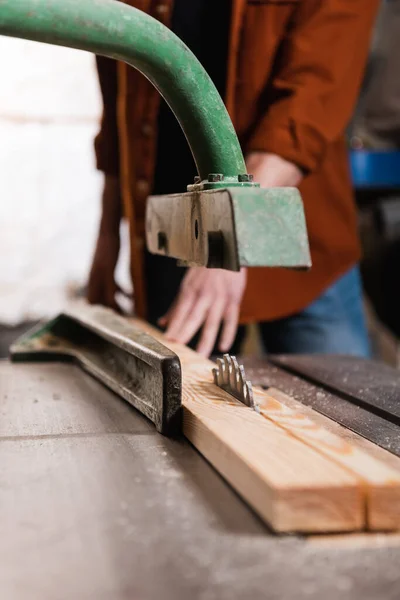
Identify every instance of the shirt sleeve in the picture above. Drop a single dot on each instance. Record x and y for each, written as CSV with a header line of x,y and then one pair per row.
x,y
315,86
106,142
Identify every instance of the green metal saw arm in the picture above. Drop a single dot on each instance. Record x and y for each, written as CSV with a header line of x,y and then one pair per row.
x,y
118,31
224,220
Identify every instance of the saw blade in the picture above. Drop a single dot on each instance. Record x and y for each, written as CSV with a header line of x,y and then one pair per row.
x,y
231,377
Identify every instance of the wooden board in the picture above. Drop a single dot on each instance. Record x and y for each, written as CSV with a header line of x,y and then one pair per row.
x,y
381,481
290,485
266,467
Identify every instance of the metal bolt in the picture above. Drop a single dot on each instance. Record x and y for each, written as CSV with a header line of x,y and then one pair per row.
x,y
215,177
246,178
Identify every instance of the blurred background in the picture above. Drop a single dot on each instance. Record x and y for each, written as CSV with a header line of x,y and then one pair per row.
x,y
50,191
374,141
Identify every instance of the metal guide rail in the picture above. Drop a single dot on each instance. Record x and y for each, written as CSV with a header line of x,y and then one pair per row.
x,y
125,359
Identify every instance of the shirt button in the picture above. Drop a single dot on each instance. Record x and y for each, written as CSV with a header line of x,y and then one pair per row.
x,y
142,186
147,130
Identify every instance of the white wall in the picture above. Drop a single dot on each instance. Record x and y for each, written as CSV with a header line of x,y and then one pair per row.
x,y
49,188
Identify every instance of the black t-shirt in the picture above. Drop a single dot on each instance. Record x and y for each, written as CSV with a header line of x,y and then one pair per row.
x,y
203,25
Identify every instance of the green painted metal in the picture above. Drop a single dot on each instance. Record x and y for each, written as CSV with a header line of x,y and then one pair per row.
x,y
230,228
110,28
270,228
243,181
268,225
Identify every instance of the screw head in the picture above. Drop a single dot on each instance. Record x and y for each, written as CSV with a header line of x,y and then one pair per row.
x,y
215,177
246,178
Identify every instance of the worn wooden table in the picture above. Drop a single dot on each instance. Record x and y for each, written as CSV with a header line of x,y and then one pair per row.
x,y
94,504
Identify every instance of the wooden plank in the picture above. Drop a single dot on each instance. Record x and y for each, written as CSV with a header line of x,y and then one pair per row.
x,y
289,484
378,477
377,468
292,487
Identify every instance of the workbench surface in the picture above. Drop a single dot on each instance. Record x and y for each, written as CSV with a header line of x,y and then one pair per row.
x,y
94,504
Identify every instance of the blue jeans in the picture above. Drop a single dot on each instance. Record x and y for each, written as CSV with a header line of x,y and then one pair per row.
x,y
332,324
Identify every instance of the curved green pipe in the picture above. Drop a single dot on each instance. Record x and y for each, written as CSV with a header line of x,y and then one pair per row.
x,y
118,31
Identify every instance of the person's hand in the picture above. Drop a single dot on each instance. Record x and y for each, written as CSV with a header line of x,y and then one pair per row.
x,y
271,170
207,298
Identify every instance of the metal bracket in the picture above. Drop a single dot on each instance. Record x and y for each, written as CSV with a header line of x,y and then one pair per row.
x,y
124,358
231,378
230,228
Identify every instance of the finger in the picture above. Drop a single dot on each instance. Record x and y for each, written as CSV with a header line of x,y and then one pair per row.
x,y
211,328
163,321
195,319
179,313
231,321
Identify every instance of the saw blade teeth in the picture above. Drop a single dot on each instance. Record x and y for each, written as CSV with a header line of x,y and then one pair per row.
x,y
220,372
254,404
215,373
231,377
234,374
227,369
241,380
249,394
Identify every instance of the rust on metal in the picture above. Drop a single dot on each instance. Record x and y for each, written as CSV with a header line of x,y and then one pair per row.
x,y
127,360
